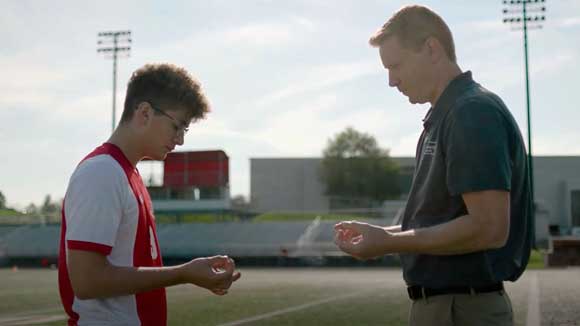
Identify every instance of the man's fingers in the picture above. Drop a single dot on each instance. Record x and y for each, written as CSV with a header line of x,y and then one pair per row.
x,y
236,276
355,240
219,291
342,225
351,245
350,249
347,235
350,227
337,237
231,265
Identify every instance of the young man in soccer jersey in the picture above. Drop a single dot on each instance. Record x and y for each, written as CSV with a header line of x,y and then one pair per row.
x,y
467,222
110,267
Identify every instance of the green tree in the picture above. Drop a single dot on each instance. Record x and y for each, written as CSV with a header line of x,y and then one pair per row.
x,y
48,207
354,166
2,201
31,209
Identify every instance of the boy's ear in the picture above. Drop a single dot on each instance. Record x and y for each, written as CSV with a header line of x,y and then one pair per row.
x,y
143,113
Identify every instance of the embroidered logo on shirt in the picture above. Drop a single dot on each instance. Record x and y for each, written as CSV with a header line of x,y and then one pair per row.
x,y
430,147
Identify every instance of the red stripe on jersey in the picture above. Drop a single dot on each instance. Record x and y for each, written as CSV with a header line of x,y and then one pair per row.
x,y
89,246
64,286
151,305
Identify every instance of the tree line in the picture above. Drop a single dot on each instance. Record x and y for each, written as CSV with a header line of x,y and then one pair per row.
x,y
49,208
357,172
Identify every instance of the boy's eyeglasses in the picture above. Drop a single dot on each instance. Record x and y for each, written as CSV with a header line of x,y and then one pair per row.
x,y
180,130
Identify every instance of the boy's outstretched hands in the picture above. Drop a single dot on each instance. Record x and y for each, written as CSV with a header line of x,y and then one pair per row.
x,y
362,240
215,273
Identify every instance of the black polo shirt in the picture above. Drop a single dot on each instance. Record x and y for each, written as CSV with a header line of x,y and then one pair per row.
x,y
470,142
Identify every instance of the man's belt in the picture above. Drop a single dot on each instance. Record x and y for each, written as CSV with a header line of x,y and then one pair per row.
x,y
419,292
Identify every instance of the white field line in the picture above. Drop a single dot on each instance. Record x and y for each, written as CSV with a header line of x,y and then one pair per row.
x,y
12,292
292,309
533,318
36,320
31,317
28,313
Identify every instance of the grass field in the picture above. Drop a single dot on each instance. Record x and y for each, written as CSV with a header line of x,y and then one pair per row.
x,y
265,296
299,296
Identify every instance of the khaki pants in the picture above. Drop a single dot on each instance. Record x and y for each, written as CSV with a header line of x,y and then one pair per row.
x,y
492,308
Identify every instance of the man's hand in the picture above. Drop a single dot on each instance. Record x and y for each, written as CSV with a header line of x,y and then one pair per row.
x,y
215,273
362,240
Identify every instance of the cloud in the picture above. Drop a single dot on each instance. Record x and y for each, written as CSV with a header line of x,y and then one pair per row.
x,y
569,22
265,33
483,26
28,82
558,62
317,79
405,145
559,142
251,36
305,129
300,131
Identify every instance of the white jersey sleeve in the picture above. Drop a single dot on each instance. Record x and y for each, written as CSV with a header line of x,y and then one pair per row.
x,y
94,203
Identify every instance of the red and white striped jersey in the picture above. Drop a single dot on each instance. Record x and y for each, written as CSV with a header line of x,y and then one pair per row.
x,y
107,209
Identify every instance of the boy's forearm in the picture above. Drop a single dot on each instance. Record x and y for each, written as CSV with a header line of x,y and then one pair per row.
x,y
117,281
93,277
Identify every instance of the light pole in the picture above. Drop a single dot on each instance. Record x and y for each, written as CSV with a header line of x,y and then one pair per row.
x,y
518,12
114,43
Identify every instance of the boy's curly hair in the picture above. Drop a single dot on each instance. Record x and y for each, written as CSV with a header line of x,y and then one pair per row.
x,y
168,85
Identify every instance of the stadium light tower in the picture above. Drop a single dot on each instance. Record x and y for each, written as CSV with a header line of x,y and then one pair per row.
x,y
517,12
112,44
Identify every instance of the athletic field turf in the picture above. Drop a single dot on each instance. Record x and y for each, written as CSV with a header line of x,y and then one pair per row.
x,y
298,296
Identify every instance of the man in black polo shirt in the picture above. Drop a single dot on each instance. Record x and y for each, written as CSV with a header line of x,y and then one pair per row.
x,y
467,223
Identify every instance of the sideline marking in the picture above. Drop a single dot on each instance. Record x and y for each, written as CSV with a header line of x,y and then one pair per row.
x,y
292,309
35,320
533,318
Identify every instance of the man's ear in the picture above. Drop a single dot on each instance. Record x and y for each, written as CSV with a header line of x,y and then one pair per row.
x,y
435,49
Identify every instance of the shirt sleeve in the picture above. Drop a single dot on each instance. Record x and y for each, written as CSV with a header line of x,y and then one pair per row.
x,y
477,149
94,205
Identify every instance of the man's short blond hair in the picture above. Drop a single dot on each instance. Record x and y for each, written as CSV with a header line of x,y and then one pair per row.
x,y
413,25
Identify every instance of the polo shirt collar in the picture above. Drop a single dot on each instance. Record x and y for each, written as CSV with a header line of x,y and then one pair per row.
x,y
447,98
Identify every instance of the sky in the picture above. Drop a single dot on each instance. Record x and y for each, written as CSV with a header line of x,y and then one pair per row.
x,y
283,77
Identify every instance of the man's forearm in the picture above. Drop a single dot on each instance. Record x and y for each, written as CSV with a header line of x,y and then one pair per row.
x,y
393,228
459,236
